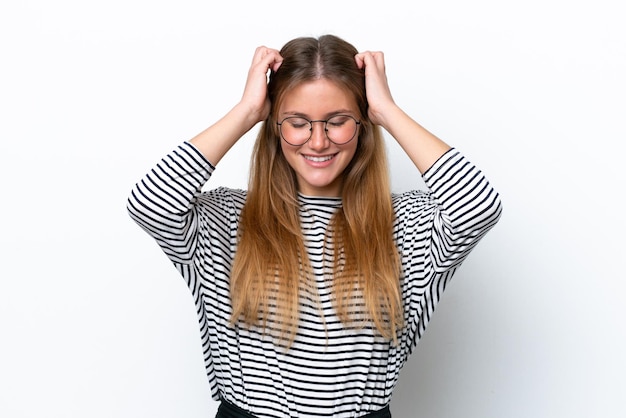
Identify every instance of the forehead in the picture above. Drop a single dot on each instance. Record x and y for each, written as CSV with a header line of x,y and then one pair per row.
x,y
317,97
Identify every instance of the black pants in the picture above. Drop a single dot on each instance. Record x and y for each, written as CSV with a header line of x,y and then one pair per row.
x,y
228,410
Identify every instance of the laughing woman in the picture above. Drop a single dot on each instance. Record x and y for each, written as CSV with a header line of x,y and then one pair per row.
x,y
314,285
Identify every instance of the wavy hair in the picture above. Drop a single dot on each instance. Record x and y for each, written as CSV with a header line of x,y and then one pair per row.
x,y
271,267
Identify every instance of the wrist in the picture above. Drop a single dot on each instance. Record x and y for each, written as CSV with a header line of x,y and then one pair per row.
x,y
249,115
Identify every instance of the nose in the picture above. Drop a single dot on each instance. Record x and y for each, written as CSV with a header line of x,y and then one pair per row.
x,y
318,139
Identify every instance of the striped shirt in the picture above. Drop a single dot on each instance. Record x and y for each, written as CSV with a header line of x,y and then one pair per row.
x,y
330,370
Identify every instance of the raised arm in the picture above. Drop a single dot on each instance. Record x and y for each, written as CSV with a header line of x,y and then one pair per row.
x,y
254,107
164,201
466,206
422,147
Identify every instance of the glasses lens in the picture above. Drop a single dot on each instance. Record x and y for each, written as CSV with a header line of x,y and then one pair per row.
x,y
295,130
341,128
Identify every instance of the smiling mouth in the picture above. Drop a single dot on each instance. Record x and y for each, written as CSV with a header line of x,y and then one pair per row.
x,y
319,159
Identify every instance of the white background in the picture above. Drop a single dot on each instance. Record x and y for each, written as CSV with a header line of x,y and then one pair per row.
x,y
94,320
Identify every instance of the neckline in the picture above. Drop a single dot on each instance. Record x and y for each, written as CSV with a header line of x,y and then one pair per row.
x,y
319,200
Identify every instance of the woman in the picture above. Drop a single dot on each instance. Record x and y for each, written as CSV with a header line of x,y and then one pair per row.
x,y
313,286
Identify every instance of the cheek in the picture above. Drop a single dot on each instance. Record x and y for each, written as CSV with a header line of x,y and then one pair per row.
x,y
287,153
352,150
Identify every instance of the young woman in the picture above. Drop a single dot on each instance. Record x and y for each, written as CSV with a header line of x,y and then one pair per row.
x,y
313,287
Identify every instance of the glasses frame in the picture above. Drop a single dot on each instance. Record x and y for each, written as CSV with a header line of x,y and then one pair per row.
x,y
311,122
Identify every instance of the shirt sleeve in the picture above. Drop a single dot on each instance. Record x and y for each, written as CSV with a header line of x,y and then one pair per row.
x,y
466,208
164,201
436,229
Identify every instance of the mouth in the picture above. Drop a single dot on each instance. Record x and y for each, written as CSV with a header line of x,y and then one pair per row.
x,y
319,158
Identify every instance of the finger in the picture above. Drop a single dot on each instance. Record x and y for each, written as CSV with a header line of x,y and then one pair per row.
x,y
358,58
363,59
268,58
379,57
259,52
374,59
277,61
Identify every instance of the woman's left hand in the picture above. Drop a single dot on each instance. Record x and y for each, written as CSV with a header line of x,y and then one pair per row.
x,y
377,89
422,147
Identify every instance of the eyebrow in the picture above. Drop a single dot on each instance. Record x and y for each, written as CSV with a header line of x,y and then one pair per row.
x,y
327,115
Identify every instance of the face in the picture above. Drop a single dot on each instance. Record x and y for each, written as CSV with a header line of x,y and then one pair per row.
x,y
319,163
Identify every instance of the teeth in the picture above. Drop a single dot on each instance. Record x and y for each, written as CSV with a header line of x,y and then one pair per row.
x,y
318,159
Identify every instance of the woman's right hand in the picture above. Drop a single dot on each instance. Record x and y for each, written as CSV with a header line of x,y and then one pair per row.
x,y
255,98
254,106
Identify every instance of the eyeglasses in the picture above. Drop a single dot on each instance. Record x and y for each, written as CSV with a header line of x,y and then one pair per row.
x,y
339,129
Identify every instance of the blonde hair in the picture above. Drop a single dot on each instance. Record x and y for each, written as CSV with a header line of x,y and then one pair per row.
x,y
271,266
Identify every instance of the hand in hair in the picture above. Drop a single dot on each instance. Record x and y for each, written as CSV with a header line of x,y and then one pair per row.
x,y
378,93
255,93
422,147
253,107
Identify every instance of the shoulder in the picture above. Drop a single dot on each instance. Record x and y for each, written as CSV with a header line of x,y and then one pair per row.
x,y
223,199
410,200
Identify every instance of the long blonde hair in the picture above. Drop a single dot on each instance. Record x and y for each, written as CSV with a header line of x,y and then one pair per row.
x,y
271,266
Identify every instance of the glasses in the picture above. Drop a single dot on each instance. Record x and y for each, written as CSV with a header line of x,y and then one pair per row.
x,y
339,129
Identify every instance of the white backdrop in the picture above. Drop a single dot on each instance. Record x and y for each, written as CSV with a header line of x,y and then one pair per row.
x,y
95,322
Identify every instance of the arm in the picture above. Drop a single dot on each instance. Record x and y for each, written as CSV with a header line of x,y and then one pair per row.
x,y
164,201
465,205
254,107
422,147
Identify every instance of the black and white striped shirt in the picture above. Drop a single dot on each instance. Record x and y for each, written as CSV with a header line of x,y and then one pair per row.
x,y
330,370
